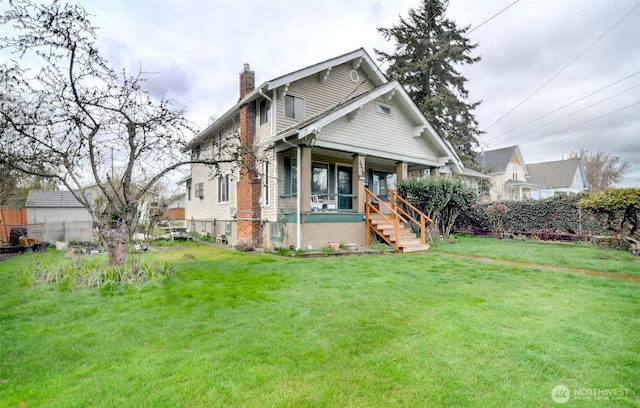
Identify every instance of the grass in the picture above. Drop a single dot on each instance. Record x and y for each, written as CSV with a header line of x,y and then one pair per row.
x,y
245,330
579,255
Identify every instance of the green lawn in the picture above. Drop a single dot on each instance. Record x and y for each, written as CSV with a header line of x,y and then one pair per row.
x,y
250,330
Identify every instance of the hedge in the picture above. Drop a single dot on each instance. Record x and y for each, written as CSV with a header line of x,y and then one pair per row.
x,y
558,215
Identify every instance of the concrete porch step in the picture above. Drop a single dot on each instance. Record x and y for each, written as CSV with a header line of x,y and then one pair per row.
x,y
414,248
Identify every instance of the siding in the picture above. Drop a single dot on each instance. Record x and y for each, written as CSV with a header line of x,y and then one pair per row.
x,y
208,206
319,96
385,134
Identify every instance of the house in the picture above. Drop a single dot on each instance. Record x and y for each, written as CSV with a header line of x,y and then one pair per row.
x,y
509,174
99,202
174,207
566,176
319,145
57,216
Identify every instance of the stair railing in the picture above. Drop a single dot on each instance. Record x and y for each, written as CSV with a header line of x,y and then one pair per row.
x,y
393,218
423,218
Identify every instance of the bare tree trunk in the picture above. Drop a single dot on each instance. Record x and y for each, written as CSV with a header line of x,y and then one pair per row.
x,y
114,239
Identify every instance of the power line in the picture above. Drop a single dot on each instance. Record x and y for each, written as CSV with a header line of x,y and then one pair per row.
x,y
562,107
492,17
582,123
607,31
576,112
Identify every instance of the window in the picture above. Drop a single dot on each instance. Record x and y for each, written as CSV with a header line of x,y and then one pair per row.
x,y
515,172
265,110
294,107
189,192
200,190
265,182
198,152
203,226
290,176
223,188
384,109
319,179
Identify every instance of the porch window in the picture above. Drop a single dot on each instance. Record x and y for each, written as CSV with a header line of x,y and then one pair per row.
x,y
223,188
319,179
290,176
294,107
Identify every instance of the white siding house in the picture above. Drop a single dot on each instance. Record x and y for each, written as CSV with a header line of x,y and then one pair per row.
x,y
319,136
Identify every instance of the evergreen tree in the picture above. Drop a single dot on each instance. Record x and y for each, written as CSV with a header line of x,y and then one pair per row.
x,y
429,47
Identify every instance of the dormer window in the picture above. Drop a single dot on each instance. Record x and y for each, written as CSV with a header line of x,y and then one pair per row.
x,y
383,109
294,107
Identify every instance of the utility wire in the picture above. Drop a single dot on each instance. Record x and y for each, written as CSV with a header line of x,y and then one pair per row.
x,y
607,31
492,17
582,123
562,107
576,112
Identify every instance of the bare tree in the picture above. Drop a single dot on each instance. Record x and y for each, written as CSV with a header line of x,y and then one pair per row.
x,y
65,113
601,169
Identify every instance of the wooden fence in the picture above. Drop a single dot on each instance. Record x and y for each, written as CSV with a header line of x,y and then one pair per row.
x,y
9,219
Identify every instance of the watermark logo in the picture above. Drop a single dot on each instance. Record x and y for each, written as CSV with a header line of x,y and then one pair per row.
x,y
560,394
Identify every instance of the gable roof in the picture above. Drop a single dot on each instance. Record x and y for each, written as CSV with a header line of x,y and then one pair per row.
x,y
392,89
559,173
496,161
360,59
53,199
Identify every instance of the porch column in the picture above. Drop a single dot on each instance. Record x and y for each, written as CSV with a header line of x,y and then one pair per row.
x,y
358,182
304,182
402,172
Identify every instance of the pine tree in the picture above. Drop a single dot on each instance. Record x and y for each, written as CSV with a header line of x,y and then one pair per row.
x,y
428,48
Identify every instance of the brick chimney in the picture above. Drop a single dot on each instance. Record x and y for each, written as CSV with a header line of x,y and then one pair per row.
x,y
247,81
249,186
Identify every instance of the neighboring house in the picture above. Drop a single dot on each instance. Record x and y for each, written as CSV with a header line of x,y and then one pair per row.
x,y
145,206
321,135
566,176
509,174
57,216
174,207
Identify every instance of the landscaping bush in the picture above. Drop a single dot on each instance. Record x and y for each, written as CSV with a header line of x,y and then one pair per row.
x,y
440,198
556,215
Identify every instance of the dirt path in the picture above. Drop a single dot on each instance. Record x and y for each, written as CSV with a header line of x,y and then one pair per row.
x,y
563,269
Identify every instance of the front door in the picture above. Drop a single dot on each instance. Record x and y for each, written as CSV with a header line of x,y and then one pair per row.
x,y
344,188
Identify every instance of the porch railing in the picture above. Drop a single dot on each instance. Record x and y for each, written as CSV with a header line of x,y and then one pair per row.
x,y
395,214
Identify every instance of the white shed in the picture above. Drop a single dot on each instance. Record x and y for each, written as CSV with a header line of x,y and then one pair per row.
x,y
57,216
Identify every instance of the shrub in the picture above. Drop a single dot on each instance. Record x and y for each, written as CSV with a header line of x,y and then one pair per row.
x,y
440,198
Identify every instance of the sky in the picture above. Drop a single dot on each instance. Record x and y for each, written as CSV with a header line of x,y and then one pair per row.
x,y
555,75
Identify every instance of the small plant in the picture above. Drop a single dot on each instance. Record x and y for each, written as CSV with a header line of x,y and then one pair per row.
x,y
244,247
87,273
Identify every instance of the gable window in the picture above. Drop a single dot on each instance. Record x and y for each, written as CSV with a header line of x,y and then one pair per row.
x,y
294,107
515,172
199,190
290,176
223,188
384,109
265,111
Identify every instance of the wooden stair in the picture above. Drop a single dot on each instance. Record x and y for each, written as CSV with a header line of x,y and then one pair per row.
x,y
394,224
408,241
